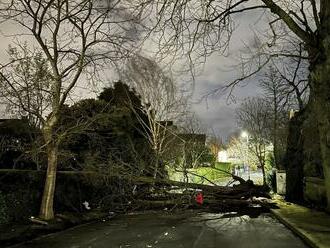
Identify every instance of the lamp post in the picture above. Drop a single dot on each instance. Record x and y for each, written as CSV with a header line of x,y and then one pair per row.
x,y
245,135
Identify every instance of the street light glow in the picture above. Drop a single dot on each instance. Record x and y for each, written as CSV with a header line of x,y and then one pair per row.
x,y
244,134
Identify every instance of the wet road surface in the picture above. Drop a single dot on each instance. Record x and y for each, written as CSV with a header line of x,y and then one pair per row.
x,y
177,230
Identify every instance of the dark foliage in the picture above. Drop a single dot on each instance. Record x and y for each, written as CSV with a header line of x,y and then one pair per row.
x,y
16,139
20,193
106,134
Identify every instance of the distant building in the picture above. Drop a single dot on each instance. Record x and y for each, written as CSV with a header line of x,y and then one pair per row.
x,y
197,139
183,146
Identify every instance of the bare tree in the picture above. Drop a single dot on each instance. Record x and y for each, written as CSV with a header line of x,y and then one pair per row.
x,y
164,103
289,74
193,124
253,115
215,143
206,26
157,88
76,38
25,84
286,88
159,134
239,151
277,94
194,133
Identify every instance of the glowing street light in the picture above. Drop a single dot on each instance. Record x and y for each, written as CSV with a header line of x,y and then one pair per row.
x,y
245,134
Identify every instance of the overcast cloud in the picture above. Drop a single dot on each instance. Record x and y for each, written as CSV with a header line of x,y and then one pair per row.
x,y
216,112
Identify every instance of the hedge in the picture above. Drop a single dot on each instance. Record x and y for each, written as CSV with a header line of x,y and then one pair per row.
x,y
21,192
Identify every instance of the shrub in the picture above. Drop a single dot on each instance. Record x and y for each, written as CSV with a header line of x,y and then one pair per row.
x,y
21,192
4,218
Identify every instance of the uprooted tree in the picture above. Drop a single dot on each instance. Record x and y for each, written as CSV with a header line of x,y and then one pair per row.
x,y
206,26
76,38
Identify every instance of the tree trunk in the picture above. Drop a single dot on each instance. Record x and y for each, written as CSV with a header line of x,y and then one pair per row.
x,y
293,159
263,174
47,204
320,82
46,209
275,133
320,87
156,164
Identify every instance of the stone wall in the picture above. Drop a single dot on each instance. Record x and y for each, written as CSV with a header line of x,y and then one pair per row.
x,y
314,191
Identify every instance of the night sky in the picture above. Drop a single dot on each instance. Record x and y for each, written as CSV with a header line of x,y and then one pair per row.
x,y
216,112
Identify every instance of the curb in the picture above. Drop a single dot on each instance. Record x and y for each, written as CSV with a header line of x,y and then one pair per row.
x,y
295,229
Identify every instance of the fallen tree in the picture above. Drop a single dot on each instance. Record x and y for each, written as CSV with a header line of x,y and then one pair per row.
x,y
140,192
150,193
126,192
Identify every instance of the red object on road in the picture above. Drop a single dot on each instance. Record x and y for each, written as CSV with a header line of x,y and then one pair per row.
x,y
199,198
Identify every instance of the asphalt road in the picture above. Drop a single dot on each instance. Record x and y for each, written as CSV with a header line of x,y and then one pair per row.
x,y
188,230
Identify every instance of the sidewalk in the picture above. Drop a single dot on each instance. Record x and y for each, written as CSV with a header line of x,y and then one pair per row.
x,y
311,225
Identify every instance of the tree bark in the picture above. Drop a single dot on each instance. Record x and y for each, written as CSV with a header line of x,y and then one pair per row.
x,y
293,159
275,129
264,180
47,204
320,88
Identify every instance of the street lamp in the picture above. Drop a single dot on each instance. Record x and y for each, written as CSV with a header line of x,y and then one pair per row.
x,y
245,135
